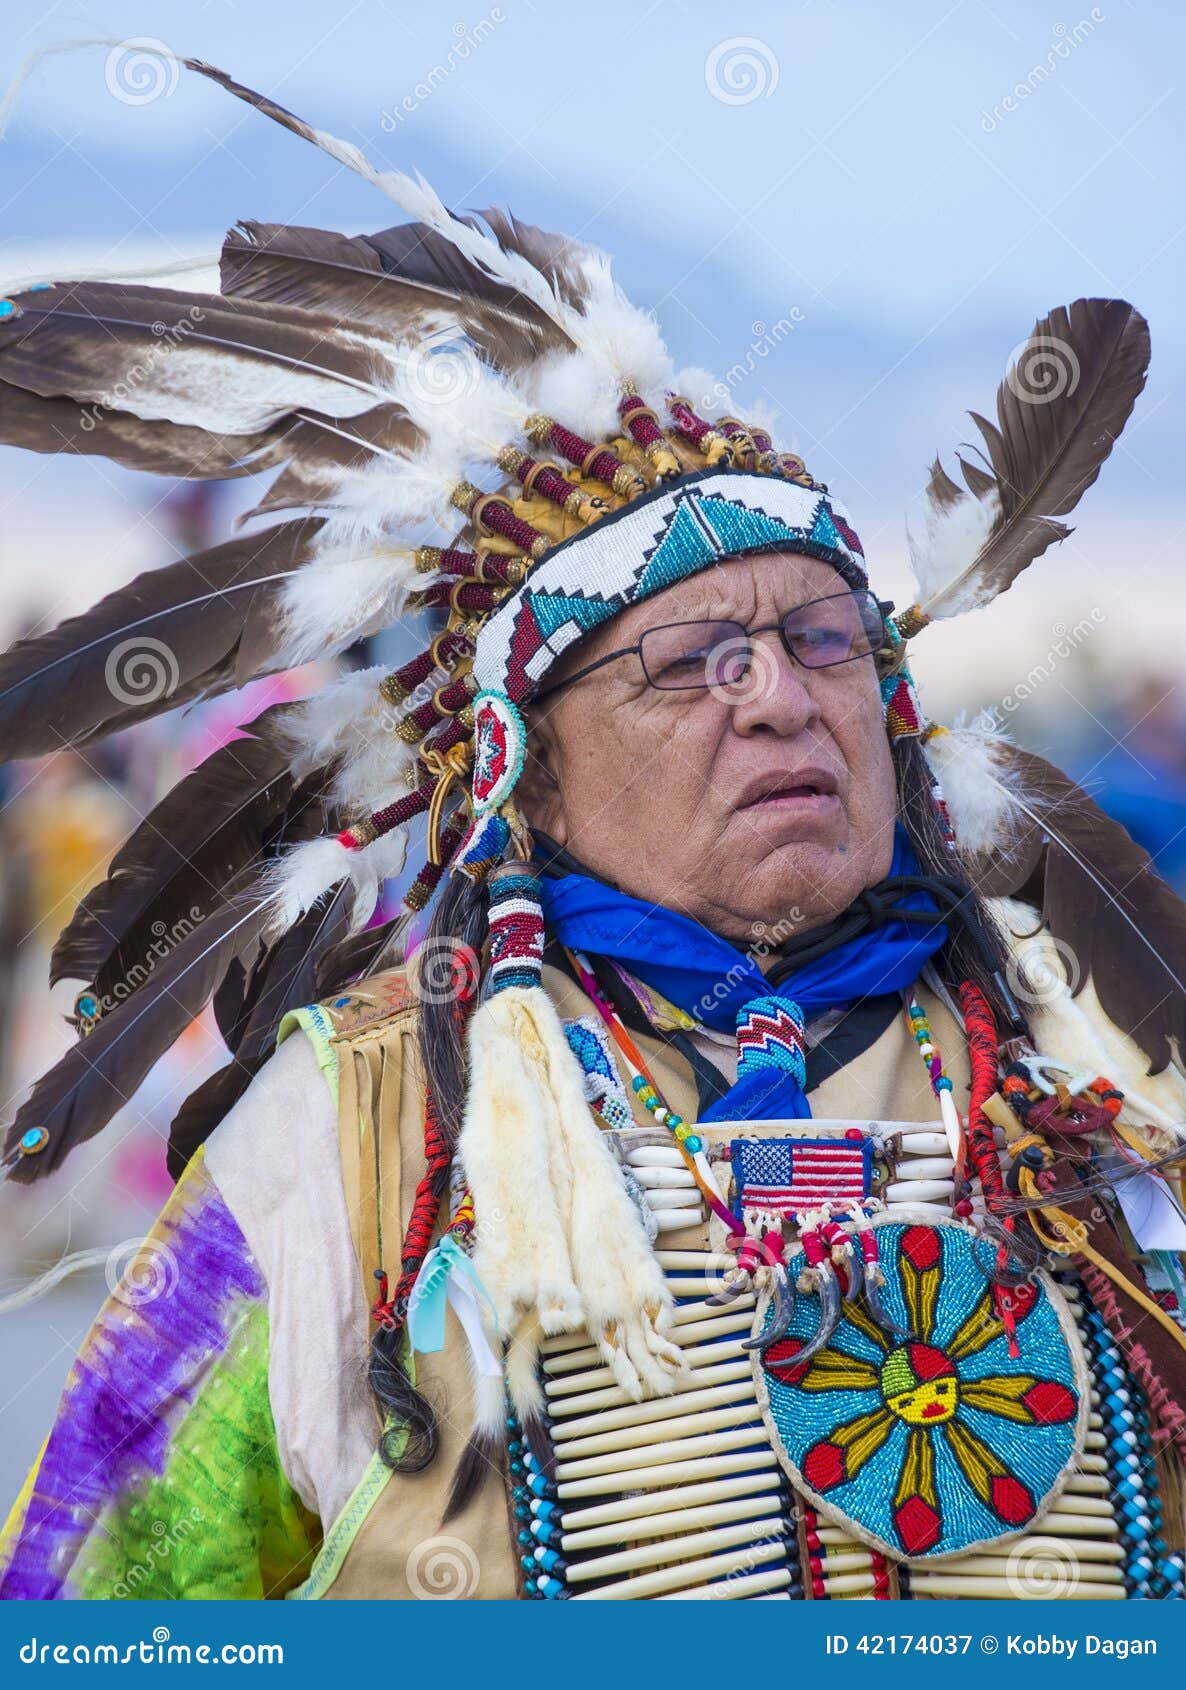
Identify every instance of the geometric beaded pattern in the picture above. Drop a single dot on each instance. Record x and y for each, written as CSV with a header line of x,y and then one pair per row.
x,y
929,1444
647,545
516,929
1150,1571
770,1035
500,743
589,1043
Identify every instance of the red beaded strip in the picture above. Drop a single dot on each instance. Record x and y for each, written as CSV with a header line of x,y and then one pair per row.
x,y
473,566
447,702
454,734
495,516
596,463
395,815
442,654
391,1311
701,434
641,421
458,595
427,881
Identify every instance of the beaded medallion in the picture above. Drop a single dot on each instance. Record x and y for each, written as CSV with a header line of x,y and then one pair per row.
x,y
939,1439
499,744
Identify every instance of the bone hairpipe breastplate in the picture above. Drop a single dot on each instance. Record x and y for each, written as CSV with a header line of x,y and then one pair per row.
x,y
688,1495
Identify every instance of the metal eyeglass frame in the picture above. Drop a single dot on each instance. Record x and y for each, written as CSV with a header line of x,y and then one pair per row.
x,y
883,609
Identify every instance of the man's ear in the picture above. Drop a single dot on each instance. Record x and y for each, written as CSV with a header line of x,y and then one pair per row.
x,y
538,790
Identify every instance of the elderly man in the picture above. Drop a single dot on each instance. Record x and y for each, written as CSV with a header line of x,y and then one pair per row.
x,y
709,1204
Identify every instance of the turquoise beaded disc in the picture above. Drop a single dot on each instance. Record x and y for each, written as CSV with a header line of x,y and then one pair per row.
x,y
927,1444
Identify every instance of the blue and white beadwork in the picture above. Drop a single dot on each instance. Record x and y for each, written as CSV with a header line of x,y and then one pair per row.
x,y
929,1444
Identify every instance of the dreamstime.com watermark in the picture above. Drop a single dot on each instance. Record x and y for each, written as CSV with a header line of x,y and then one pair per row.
x,y
766,339
160,1651
141,70
166,937
767,938
1066,38
741,70
467,38
1065,641
165,1540
167,337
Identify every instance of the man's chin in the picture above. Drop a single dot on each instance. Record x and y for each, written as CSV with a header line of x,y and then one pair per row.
x,y
803,882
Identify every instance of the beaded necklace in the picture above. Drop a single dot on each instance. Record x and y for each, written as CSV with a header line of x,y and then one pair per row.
x,y
688,1140
942,1087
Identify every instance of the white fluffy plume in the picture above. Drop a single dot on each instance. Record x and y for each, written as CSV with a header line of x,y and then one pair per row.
x,y
973,776
350,723
952,534
340,596
310,872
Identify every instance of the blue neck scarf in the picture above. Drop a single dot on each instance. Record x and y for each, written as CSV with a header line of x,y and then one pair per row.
x,y
719,986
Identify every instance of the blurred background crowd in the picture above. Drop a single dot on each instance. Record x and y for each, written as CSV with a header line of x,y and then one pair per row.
x,y
850,214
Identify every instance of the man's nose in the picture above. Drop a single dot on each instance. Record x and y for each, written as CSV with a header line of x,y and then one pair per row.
x,y
775,692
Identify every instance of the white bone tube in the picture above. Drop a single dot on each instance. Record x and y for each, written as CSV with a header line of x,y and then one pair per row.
x,y
664,1179
950,1584
598,1383
672,1549
664,1197
675,1220
662,1464
606,1406
682,1520
690,1573
654,1156
669,1503
769,1582
636,1439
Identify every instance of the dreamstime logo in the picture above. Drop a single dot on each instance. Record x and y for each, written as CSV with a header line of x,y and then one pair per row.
x,y
443,1568
442,971
1033,976
1042,369
1064,641
766,339
141,1270
756,673
167,1539
1042,1567
141,671
141,70
1066,38
467,38
767,938
741,70
442,369
169,338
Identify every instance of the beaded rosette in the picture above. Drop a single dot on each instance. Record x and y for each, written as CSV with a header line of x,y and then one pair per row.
x,y
946,1430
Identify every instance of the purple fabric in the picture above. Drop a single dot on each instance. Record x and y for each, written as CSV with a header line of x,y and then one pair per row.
x,y
142,1362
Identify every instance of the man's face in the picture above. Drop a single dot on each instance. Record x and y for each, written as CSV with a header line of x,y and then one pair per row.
x,y
771,801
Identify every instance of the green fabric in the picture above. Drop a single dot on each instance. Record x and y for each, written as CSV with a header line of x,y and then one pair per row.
x,y
222,1520
313,1021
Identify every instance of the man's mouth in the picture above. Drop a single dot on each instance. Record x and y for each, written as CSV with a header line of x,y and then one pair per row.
x,y
807,789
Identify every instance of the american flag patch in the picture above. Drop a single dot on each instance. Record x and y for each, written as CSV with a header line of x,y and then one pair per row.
x,y
786,1175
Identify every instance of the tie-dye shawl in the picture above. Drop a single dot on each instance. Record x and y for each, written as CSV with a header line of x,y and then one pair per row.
x,y
161,1477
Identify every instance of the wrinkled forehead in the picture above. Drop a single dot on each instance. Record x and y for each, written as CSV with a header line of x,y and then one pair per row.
x,y
648,548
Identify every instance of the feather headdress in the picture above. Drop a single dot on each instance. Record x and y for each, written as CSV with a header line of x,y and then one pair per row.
x,y
452,373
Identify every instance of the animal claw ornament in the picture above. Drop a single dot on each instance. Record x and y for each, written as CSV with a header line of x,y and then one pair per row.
x,y
785,1297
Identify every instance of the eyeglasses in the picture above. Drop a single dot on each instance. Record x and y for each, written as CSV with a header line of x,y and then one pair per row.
x,y
702,656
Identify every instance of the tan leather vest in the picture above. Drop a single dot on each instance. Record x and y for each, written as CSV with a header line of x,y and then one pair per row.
x,y
390,1542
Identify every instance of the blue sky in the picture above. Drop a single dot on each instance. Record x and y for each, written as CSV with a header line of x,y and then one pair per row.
x,y
867,206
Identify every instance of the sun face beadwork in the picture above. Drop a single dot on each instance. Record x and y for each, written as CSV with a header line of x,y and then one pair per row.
x,y
935,1441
